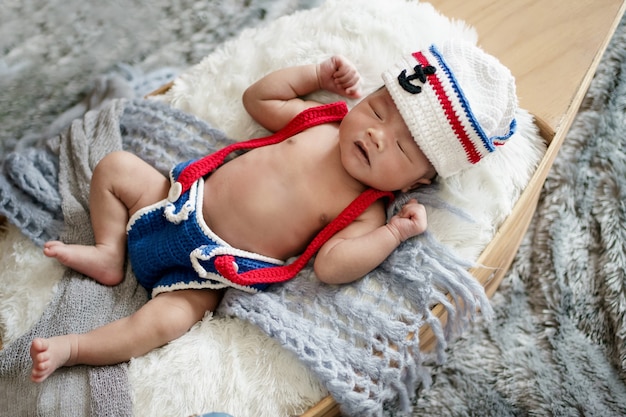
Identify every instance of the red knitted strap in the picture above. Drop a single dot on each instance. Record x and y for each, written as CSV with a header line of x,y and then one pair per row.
x,y
310,117
225,264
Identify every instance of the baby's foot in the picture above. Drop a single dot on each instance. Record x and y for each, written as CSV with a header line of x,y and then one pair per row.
x,y
50,354
98,262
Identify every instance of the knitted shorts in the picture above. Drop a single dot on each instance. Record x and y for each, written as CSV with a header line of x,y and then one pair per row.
x,y
170,246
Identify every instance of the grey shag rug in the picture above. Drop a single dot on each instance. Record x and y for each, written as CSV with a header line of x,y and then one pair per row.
x,y
54,52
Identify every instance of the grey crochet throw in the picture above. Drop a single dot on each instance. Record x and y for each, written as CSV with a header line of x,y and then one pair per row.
x,y
359,339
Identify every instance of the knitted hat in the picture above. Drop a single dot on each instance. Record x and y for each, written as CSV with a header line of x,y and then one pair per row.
x,y
458,102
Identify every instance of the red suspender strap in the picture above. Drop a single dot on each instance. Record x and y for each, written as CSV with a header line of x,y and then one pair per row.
x,y
310,117
225,264
226,267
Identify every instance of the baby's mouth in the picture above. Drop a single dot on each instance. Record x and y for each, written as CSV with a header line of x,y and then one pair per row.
x,y
363,151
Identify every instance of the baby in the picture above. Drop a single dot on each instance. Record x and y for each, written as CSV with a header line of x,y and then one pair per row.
x,y
318,181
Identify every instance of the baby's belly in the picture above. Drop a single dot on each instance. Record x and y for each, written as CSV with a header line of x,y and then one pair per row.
x,y
264,217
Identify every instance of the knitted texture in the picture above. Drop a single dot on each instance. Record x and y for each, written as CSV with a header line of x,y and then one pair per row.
x,y
360,339
79,304
458,102
28,193
171,248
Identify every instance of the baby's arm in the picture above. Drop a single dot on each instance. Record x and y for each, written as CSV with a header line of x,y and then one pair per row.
x,y
367,242
276,98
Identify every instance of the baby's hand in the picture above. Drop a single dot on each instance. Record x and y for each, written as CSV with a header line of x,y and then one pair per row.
x,y
410,221
338,75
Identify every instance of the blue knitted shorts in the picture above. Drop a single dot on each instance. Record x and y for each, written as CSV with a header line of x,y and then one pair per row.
x,y
170,246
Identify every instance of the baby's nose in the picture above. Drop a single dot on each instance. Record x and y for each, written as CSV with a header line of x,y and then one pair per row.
x,y
378,138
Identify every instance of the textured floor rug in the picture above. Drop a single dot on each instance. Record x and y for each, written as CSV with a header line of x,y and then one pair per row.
x,y
557,344
54,50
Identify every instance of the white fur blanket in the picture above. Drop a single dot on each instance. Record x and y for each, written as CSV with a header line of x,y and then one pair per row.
x,y
372,34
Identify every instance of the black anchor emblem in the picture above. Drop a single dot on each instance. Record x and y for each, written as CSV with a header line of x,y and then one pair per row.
x,y
420,74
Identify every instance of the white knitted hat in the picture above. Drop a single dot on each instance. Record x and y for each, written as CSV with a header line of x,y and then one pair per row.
x,y
458,102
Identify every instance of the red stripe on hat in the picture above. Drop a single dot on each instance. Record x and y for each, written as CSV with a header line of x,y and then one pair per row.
x,y
446,104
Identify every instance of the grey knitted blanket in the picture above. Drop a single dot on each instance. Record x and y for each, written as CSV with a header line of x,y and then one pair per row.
x,y
359,339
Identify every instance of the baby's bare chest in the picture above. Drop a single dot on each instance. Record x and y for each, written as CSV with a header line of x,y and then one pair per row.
x,y
274,201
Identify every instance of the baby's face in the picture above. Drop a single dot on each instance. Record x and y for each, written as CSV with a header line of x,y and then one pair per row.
x,y
378,149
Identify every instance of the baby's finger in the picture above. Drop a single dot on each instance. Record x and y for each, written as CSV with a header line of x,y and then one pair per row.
x,y
348,79
412,209
353,91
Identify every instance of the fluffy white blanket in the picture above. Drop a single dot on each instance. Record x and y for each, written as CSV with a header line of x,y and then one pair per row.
x,y
229,365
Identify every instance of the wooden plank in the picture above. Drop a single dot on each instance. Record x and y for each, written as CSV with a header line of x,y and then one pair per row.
x,y
327,407
551,46
161,90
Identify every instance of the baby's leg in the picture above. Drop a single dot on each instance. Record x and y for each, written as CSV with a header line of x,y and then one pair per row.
x,y
161,320
121,184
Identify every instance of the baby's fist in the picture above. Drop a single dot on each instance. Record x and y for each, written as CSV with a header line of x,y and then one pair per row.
x,y
410,221
338,75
